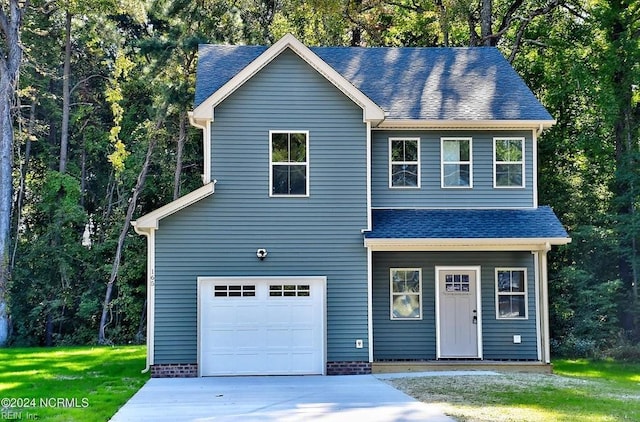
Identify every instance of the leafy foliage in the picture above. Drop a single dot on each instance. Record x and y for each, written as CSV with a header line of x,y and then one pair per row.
x,y
132,78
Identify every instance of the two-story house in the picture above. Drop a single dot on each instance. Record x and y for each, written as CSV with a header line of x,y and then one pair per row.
x,y
359,207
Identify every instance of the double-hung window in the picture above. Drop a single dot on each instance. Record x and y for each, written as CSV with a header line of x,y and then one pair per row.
x,y
289,157
511,293
456,163
406,292
508,162
404,163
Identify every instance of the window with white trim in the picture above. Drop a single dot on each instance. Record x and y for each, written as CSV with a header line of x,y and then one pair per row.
x,y
511,293
404,162
456,163
406,293
508,162
234,290
289,162
276,290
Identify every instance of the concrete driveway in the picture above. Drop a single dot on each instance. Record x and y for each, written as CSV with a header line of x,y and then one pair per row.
x,y
283,399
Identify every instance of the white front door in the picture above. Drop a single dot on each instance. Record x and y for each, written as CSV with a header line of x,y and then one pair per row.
x,y
261,326
458,316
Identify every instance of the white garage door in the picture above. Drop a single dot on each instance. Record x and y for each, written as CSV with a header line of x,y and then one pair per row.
x,y
261,326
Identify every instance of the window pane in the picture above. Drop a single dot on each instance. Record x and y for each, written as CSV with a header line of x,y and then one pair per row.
x,y
511,306
279,147
280,180
504,281
508,150
405,281
517,281
297,180
406,306
504,306
465,152
397,150
457,175
298,148
404,175
451,150
508,175
410,150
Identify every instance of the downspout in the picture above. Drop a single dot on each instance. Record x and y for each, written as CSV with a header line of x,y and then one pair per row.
x,y
206,146
369,217
370,302
544,278
149,233
369,252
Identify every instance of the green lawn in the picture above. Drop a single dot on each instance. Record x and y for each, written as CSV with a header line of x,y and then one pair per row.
x,y
68,383
579,390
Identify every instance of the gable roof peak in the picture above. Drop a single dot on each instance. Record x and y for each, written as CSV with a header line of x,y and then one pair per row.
x,y
263,56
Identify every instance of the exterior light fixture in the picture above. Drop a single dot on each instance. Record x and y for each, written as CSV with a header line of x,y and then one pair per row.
x,y
261,254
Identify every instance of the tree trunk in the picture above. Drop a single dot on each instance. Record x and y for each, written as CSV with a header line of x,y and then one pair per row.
x,y
66,96
24,168
10,23
140,335
102,338
182,136
6,184
486,31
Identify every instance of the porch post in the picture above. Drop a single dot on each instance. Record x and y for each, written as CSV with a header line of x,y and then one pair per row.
x,y
544,279
370,302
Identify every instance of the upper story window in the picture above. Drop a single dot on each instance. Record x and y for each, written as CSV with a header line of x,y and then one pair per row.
x,y
511,293
288,154
456,163
508,162
404,163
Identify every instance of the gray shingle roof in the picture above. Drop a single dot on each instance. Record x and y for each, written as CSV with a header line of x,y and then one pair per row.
x,y
408,83
466,224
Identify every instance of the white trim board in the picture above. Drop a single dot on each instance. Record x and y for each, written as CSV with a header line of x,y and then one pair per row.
x,y
151,220
489,244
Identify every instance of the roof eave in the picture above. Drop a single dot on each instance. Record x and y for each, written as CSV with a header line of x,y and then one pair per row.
x,y
371,111
465,244
151,220
390,123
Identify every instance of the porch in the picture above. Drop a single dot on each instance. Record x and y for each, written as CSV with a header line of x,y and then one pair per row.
x,y
386,367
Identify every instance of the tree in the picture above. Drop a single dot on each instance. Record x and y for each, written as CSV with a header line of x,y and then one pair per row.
x,y
621,25
11,14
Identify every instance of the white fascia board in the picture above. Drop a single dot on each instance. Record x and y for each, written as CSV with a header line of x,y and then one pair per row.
x,y
498,244
466,124
371,111
151,220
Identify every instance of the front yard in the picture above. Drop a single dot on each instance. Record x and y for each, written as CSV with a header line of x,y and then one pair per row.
x,y
68,383
579,390
91,383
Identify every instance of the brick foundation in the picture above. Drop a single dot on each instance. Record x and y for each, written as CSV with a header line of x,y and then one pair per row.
x,y
174,370
348,368
190,370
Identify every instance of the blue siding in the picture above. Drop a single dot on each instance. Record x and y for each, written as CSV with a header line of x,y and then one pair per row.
x,y
431,195
319,235
417,339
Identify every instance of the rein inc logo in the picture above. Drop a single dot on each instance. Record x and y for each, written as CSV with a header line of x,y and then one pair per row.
x,y
23,408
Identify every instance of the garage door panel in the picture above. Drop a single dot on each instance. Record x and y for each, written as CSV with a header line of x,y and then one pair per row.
x,y
277,328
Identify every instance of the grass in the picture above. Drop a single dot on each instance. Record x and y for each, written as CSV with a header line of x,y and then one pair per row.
x,y
68,383
581,390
